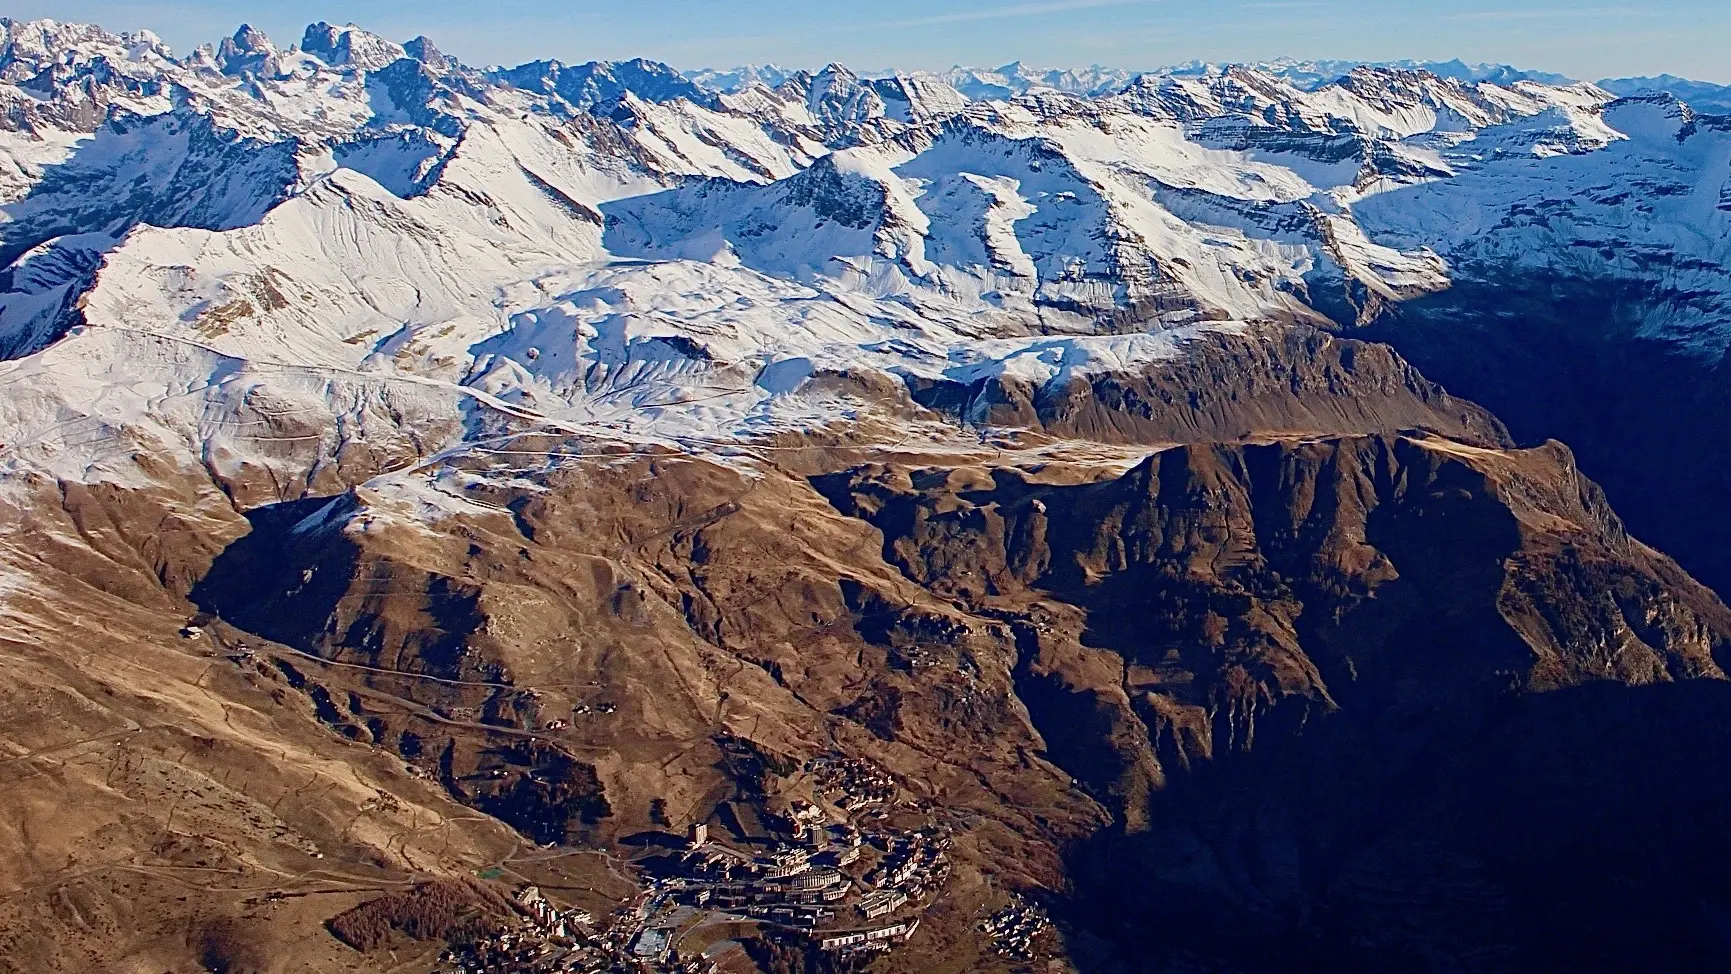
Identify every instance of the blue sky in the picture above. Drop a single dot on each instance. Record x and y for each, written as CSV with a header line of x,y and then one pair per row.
x,y
1590,40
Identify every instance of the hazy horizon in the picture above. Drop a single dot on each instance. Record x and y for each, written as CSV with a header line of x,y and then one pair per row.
x,y
1679,37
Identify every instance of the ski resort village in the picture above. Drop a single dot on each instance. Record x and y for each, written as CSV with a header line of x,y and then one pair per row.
x,y
848,874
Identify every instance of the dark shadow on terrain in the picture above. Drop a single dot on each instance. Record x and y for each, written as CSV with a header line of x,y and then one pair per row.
x,y
1560,358
305,587
294,581
256,583
1582,830
1307,677
1430,641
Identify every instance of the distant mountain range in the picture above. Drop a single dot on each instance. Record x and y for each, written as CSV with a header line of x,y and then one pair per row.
x,y
1702,96
1016,78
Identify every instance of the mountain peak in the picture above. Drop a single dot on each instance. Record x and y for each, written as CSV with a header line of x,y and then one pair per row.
x,y
250,38
349,47
837,71
248,50
425,51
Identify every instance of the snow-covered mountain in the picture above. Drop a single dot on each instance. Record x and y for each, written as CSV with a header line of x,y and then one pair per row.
x,y
1315,74
977,84
1016,79
734,80
616,245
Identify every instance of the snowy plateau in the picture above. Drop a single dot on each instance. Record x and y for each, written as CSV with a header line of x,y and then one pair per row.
x,y
212,258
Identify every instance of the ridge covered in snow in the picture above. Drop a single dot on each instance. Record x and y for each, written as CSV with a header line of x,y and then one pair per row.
x,y
1016,79
373,232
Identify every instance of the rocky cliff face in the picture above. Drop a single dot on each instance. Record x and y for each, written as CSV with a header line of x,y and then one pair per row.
x,y
1331,689
1226,386
1231,587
